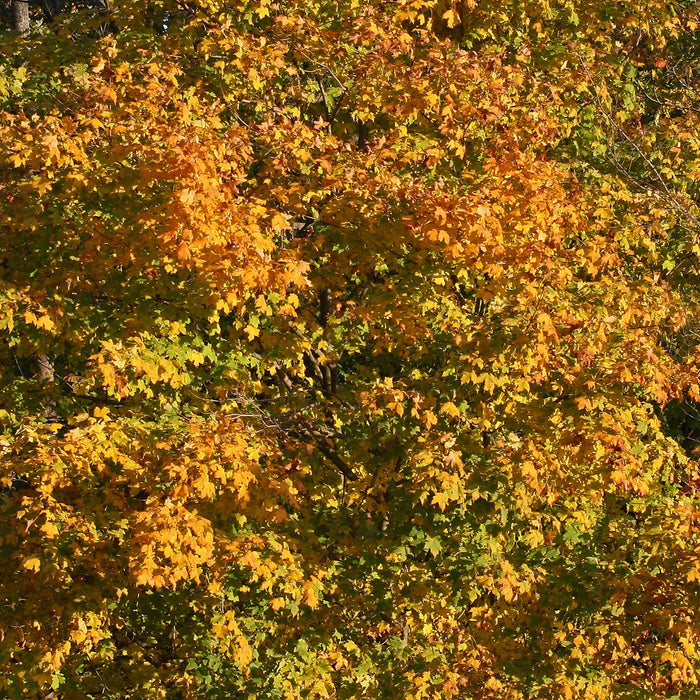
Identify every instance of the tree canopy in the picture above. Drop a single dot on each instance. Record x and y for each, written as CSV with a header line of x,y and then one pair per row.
x,y
350,349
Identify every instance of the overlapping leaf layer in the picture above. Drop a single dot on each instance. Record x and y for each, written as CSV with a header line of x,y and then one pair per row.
x,y
349,349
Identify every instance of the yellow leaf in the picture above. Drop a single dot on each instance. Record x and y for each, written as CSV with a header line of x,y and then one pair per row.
x,y
144,577
45,322
583,403
49,529
78,636
450,409
32,563
183,252
396,407
261,305
187,196
195,357
440,500
279,222
528,470
109,374
452,18
310,598
262,11
242,653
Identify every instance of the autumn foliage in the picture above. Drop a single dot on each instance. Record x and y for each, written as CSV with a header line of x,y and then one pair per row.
x,y
350,350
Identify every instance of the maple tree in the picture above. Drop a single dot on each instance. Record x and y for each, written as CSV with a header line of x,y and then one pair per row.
x,y
349,349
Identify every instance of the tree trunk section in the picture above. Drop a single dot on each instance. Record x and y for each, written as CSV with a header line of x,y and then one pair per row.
x,y
20,16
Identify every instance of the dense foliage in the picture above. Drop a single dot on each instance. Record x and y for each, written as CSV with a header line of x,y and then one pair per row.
x,y
350,349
